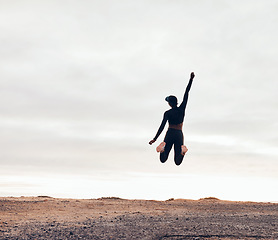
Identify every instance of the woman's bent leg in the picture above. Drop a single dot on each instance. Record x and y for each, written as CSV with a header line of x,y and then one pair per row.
x,y
177,147
164,155
169,140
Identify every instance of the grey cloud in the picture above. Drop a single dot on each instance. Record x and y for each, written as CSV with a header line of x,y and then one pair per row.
x,y
75,77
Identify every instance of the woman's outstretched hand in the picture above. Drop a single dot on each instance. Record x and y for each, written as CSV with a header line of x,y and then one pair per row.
x,y
151,142
192,75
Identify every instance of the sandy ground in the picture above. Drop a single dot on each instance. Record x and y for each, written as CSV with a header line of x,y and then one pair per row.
x,y
114,218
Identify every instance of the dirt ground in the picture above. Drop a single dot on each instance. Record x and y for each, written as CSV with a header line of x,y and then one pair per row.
x,y
114,218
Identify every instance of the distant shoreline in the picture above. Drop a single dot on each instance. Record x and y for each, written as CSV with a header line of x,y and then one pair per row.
x,y
205,198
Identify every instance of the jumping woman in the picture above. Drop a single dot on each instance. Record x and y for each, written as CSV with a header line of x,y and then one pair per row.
x,y
174,135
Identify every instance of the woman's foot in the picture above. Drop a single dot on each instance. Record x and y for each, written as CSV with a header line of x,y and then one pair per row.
x,y
183,150
160,147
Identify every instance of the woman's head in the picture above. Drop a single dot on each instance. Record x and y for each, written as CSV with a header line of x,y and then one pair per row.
x,y
172,100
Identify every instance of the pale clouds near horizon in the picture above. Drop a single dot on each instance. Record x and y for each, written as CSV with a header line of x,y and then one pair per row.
x,y
78,76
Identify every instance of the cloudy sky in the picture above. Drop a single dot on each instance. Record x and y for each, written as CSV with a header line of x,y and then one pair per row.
x,y
82,88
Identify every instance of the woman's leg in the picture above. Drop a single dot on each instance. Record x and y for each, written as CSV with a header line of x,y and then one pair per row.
x,y
164,155
177,147
169,140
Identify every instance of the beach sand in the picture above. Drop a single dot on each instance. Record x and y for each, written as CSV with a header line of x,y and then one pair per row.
x,y
114,218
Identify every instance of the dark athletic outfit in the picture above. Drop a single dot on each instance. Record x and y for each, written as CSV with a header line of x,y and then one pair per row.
x,y
174,136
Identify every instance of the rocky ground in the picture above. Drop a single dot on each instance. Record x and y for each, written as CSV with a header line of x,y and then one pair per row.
x,y
113,218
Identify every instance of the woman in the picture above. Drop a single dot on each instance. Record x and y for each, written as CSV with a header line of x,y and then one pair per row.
x,y
174,135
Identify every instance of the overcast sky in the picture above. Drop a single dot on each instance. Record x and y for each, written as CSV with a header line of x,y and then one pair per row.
x,y
83,83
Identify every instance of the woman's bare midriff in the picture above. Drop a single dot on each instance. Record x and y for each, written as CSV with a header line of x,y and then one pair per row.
x,y
176,126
